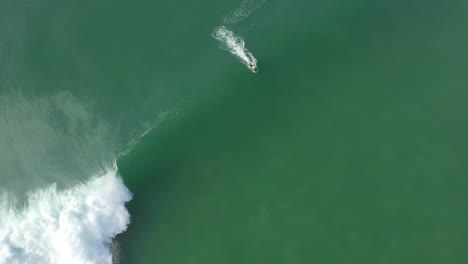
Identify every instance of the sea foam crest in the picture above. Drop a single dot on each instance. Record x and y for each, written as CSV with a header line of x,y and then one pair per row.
x,y
73,226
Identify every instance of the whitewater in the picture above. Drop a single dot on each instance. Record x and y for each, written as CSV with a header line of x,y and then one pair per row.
x,y
61,198
235,45
232,42
74,226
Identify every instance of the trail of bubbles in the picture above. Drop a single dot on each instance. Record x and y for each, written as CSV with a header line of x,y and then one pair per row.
x,y
145,129
246,8
235,45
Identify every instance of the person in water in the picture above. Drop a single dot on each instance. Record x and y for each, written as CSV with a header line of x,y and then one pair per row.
x,y
253,67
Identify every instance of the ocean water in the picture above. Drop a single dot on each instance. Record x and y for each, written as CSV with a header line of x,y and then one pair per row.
x,y
133,132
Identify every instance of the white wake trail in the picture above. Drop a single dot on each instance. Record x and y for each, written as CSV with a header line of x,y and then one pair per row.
x,y
235,45
246,8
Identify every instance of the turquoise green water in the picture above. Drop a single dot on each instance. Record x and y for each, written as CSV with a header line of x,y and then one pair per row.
x,y
348,146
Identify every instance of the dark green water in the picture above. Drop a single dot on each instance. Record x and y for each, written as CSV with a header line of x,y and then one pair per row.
x,y
349,145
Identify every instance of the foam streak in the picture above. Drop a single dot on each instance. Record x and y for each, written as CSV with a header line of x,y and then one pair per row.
x,y
232,42
235,45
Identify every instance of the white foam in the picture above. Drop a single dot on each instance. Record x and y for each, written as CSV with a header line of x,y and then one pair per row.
x,y
145,129
73,226
235,45
246,8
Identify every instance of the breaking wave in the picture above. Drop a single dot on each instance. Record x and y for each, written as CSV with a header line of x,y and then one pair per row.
x,y
73,226
61,200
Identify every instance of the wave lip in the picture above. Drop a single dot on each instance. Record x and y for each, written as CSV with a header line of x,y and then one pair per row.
x,y
73,226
